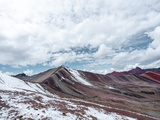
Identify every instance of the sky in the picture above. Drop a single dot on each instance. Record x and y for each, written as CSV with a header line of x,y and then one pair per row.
x,y
93,35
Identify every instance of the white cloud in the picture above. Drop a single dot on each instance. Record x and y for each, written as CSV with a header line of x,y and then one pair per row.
x,y
155,35
104,71
69,57
28,72
9,73
148,57
34,31
104,51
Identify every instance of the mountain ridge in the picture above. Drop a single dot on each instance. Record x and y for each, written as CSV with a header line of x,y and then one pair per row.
x,y
24,100
132,88
136,70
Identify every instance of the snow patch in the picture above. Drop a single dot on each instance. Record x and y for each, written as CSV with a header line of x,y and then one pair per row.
x,y
11,83
109,87
101,115
78,77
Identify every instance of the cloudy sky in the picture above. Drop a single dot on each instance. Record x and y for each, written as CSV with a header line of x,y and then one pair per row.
x,y
93,35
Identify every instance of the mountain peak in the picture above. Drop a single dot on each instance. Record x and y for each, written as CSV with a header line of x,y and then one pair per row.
x,y
136,70
21,76
115,73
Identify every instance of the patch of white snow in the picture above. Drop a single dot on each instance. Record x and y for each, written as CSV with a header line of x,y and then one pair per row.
x,y
78,77
101,115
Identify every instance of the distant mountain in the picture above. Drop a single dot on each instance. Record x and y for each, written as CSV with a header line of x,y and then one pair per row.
x,y
152,69
21,76
137,70
118,90
115,73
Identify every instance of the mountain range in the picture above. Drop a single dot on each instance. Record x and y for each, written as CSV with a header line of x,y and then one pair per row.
x,y
65,93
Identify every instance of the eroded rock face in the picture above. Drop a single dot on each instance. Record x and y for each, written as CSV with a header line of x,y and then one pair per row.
x,y
135,90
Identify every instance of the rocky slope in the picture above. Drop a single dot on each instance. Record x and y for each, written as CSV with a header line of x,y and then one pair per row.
x,y
132,90
74,94
30,101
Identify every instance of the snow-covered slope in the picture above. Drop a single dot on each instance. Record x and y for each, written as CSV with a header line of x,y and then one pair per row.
x,y
22,100
78,77
14,84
